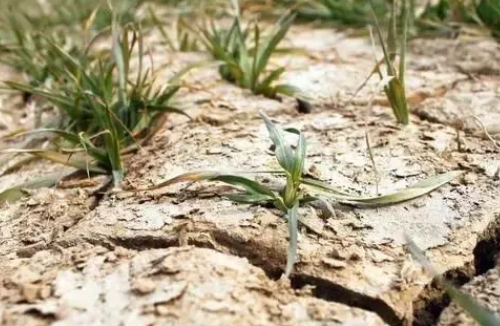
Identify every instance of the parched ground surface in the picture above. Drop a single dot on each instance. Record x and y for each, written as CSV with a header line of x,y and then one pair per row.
x,y
74,255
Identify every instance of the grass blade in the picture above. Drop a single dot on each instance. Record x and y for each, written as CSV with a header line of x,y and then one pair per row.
x,y
404,40
252,187
284,153
417,190
19,191
293,229
300,155
482,315
272,42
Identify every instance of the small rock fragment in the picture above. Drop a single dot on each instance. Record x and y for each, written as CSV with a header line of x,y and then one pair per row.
x,y
45,292
30,292
143,286
334,263
25,275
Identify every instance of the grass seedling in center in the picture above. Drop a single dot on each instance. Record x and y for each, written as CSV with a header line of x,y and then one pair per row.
x,y
298,189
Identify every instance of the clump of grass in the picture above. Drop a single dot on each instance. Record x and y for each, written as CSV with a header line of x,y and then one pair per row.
x,y
481,315
299,189
393,78
246,65
106,111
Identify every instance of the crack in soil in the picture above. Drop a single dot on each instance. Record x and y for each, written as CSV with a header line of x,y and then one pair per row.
x,y
329,291
428,306
322,288
433,299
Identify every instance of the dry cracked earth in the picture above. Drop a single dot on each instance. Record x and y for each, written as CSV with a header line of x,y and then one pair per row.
x,y
79,254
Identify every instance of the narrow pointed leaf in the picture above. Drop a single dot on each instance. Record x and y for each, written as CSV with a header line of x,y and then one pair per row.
x,y
300,155
417,190
272,42
252,187
293,229
287,89
17,192
482,315
250,198
283,151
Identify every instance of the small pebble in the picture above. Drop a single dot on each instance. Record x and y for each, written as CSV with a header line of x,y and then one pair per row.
x,y
144,286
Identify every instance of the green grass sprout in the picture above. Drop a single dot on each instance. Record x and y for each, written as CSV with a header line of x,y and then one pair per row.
x,y
298,189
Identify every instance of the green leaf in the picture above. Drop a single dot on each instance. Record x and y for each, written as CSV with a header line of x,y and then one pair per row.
x,y
119,56
387,57
250,198
300,155
286,89
264,53
64,134
284,153
417,190
404,38
396,95
293,229
17,192
482,315
265,86
252,187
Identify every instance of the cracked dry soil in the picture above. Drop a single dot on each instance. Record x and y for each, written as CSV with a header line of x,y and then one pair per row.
x,y
184,256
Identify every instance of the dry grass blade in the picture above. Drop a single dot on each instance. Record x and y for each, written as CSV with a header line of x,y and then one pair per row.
x,y
70,160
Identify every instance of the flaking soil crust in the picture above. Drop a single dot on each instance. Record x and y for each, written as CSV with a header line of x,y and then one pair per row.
x,y
80,254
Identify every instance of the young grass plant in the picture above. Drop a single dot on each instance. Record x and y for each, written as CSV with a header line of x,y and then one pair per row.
x,y
480,314
246,65
395,87
299,189
106,111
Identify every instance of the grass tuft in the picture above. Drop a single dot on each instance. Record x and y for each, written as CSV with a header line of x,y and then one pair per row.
x,y
245,53
299,189
106,110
